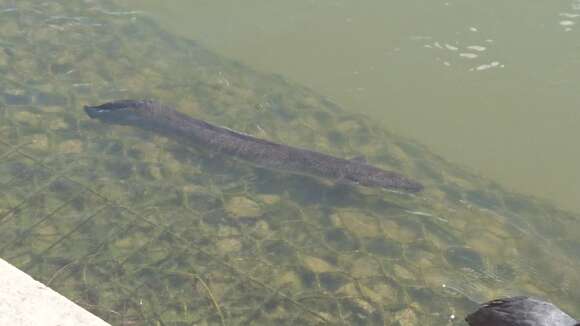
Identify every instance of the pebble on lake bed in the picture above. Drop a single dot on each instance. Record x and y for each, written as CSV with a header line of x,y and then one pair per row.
x,y
357,223
229,245
406,317
242,207
27,118
317,265
73,146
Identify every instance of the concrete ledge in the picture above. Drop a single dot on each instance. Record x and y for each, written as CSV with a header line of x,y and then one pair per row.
x,y
25,301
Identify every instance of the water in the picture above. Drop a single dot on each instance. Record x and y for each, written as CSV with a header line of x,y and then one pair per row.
x,y
488,85
141,229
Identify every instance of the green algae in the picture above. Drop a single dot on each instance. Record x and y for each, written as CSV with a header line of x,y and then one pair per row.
x,y
140,230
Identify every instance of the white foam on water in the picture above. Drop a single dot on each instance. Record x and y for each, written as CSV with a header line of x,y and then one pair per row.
x,y
477,48
468,55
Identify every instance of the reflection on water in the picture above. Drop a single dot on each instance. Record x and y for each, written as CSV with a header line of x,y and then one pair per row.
x,y
569,17
141,229
462,51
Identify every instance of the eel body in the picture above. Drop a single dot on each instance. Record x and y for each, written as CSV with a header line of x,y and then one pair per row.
x,y
153,116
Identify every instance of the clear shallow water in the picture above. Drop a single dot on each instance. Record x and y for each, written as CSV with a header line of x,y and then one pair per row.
x,y
142,229
491,86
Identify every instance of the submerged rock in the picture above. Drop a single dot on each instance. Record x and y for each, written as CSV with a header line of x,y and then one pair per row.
x,y
356,223
229,245
243,207
72,146
317,265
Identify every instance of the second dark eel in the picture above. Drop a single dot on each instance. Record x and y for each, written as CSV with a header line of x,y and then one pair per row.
x,y
150,115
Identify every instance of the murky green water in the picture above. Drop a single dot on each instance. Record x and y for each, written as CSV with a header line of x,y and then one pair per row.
x,y
140,229
492,85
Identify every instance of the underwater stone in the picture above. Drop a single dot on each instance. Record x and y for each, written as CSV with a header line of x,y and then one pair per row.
x,y
170,165
289,280
317,265
38,142
403,273
364,267
400,233
229,245
242,207
269,199
385,293
47,231
422,259
357,223
406,317
353,293
27,118
57,124
154,172
73,146
227,231
262,229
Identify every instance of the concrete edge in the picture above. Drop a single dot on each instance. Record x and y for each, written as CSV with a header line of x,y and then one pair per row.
x,y
27,302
